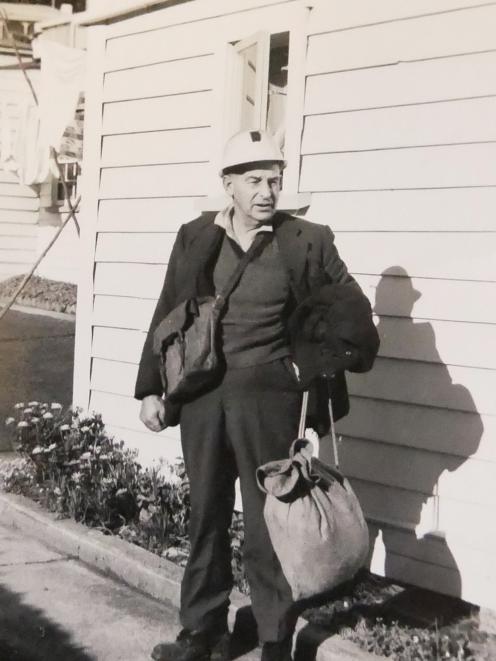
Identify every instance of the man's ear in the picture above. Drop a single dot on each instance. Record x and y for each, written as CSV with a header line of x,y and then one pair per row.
x,y
228,184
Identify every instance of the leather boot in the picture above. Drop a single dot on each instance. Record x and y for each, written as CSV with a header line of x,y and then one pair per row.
x,y
279,651
194,646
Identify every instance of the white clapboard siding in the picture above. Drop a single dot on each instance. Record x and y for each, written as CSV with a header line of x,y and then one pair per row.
x,y
8,270
135,280
177,77
418,167
424,427
123,312
466,31
16,242
14,229
124,412
450,386
336,15
146,215
16,190
455,255
405,510
179,180
418,470
153,449
451,343
7,177
117,344
16,256
450,78
113,377
14,217
408,126
19,203
164,112
451,300
145,248
192,36
174,146
428,210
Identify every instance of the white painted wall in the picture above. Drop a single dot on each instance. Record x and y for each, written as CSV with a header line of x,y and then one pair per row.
x,y
397,153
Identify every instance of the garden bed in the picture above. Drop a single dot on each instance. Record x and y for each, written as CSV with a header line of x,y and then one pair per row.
x,y
52,295
71,466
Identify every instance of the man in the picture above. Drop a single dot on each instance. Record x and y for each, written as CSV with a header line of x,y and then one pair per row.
x,y
250,415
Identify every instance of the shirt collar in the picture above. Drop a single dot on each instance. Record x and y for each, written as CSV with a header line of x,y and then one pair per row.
x,y
224,219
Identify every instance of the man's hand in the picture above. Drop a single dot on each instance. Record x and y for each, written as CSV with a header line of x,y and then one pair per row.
x,y
152,412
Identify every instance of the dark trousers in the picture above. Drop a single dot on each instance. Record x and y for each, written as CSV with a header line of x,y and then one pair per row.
x,y
249,418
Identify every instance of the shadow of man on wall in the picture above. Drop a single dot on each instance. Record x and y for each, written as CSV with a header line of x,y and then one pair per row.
x,y
418,552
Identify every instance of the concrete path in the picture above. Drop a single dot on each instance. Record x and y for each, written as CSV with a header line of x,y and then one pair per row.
x,y
54,608
36,361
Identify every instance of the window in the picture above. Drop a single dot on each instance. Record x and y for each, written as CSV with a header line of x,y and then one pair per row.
x,y
257,83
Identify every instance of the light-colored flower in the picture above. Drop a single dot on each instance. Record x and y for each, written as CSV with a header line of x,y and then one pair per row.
x,y
48,415
19,405
77,476
57,491
37,450
52,446
27,411
33,403
85,429
98,449
104,457
65,428
86,456
120,492
55,406
35,420
23,423
9,421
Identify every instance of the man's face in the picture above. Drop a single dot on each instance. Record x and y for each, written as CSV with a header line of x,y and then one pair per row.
x,y
255,193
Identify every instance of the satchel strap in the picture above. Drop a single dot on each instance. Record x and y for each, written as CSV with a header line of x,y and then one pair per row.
x,y
258,244
303,417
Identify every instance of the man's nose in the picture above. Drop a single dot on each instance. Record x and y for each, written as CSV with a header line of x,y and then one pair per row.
x,y
265,188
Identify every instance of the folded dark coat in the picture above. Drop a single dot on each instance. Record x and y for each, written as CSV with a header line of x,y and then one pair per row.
x,y
332,330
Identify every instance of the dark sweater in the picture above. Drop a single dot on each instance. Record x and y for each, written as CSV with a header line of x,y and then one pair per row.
x,y
252,327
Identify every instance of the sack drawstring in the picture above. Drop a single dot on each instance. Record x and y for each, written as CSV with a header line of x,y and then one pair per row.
x,y
301,427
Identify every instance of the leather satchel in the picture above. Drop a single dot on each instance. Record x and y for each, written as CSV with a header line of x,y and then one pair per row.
x,y
186,340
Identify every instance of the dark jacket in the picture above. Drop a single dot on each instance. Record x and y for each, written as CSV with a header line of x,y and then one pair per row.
x,y
312,261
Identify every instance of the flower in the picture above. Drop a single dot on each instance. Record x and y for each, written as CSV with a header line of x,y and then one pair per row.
x,y
33,403
86,456
35,420
64,427
85,429
48,415
28,411
57,491
55,406
19,405
9,421
37,450
77,476
22,423
52,446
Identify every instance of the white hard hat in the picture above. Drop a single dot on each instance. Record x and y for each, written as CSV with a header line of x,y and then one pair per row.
x,y
250,147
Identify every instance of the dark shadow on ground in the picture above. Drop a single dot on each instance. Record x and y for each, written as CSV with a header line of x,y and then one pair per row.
x,y
27,634
36,362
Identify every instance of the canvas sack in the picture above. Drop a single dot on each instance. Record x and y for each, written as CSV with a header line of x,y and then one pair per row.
x,y
315,521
